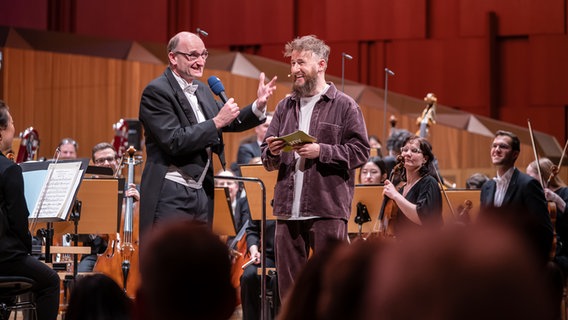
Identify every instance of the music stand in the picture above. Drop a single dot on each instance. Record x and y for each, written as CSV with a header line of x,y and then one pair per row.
x,y
100,213
263,308
50,189
372,197
457,198
254,192
223,220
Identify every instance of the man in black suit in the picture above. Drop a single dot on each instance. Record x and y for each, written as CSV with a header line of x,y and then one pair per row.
x,y
183,125
516,197
251,150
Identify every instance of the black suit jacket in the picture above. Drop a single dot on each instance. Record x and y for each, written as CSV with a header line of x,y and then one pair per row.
x,y
247,151
524,206
174,137
16,240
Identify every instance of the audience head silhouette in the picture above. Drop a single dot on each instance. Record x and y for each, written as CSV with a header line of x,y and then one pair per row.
x,y
97,297
186,274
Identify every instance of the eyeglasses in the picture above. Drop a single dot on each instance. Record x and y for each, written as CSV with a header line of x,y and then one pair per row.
x,y
413,150
103,160
194,55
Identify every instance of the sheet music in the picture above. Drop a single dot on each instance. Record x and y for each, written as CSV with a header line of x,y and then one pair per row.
x,y
57,190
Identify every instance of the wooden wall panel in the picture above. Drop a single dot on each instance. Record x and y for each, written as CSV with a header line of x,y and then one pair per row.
x,y
245,22
443,19
547,17
81,97
548,70
513,55
135,20
516,17
454,70
24,13
366,20
520,76
72,96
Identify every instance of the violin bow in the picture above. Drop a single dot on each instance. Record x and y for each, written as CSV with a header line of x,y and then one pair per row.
x,y
445,194
536,155
555,172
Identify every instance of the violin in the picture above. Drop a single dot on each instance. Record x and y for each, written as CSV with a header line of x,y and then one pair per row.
x,y
389,209
239,257
11,156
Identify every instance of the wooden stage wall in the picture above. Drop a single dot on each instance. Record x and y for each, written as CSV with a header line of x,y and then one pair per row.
x,y
66,95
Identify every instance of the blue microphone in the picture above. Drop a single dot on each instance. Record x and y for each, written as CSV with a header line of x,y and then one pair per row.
x,y
218,89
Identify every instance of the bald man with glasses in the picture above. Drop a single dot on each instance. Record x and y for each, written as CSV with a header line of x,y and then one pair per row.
x,y
183,126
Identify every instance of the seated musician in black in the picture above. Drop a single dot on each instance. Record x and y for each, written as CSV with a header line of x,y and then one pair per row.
x,y
103,155
250,279
15,238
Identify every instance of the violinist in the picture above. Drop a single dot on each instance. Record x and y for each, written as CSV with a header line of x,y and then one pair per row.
x,y
419,200
557,192
515,197
15,239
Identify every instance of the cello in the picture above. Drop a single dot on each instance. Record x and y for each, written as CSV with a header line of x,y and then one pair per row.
x,y
120,260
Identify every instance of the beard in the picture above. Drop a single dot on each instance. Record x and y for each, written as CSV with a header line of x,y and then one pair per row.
x,y
306,89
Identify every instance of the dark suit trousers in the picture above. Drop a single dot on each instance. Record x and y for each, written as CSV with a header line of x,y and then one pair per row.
x,y
47,283
180,202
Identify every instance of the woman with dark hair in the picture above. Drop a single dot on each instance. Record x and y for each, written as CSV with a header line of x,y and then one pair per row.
x,y
373,172
15,239
419,200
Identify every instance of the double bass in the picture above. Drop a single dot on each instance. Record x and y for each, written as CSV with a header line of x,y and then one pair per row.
x,y
427,119
120,260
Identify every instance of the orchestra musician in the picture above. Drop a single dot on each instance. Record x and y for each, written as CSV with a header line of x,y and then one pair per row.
x,y
516,197
419,200
103,155
250,279
373,172
15,238
557,192
67,149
